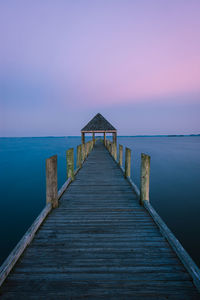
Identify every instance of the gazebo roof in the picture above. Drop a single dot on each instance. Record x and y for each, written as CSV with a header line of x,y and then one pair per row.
x,y
98,123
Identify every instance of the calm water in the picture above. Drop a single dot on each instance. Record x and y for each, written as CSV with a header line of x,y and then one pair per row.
x,y
175,178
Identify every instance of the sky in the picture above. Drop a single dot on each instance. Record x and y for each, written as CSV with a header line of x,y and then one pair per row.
x,y
136,62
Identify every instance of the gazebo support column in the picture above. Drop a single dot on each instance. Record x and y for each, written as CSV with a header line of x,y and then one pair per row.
x,y
83,137
104,138
93,137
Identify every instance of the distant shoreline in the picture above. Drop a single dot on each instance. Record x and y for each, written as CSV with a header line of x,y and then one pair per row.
x,y
125,136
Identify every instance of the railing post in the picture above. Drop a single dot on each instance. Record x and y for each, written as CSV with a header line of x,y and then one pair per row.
x,y
78,157
83,137
120,155
86,152
83,152
114,151
128,162
110,147
144,178
70,163
104,138
93,137
51,181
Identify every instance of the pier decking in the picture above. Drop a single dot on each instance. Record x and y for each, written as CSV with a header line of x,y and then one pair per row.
x,y
100,243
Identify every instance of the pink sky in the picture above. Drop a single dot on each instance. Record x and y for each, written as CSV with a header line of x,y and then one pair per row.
x,y
62,62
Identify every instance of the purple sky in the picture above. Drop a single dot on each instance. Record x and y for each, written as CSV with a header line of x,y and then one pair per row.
x,y
136,62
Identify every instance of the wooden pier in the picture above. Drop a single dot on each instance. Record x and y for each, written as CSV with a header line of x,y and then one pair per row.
x,y
97,240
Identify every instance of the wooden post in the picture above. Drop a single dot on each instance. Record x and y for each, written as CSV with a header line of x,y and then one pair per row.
x,y
115,137
114,151
70,163
78,156
90,146
83,137
128,162
144,178
120,155
83,152
51,181
86,149
93,137
109,147
104,138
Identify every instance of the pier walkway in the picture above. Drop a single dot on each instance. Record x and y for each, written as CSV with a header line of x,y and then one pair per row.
x,y
100,243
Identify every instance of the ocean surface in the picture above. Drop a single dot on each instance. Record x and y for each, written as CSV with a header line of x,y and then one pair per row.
x,y
174,183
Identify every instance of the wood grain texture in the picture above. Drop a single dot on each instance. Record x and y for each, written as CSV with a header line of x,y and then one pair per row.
x,y
99,244
144,178
78,156
51,181
127,162
70,163
120,159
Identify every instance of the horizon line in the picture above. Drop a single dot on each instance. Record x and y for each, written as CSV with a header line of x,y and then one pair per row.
x,y
79,136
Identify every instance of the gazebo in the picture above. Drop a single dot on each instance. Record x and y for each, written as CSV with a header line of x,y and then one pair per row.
x,y
99,125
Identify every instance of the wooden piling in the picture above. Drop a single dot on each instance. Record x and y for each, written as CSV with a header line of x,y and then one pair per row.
x,y
104,138
83,152
91,144
78,157
83,137
93,137
120,155
144,178
114,151
128,162
70,163
51,181
86,151
110,147
115,137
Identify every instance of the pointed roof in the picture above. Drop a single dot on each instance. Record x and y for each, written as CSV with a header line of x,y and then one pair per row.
x,y
98,123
